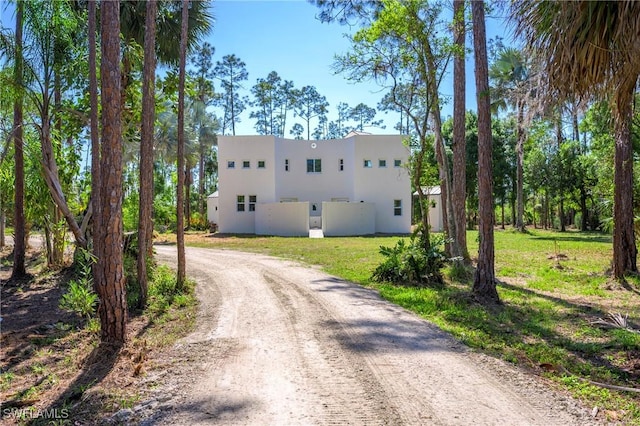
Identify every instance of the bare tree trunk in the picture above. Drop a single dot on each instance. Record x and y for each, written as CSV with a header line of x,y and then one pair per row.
x,y
113,302
19,225
459,185
145,222
2,225
484,285
181,178
625,251
96,207
520,168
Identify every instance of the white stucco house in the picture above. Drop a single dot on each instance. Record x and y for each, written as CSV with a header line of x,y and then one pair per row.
x,y
268,185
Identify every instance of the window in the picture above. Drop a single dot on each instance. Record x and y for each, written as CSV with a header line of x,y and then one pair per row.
x,y
341,168
382,163
314,165
240,204
286,165
231,164
367,164
261,164
397,207
314,207
252,202
397,163
246,164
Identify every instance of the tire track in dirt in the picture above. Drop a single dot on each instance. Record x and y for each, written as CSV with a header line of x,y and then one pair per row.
x,y
285,344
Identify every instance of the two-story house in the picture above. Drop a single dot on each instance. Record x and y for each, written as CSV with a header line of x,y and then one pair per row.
x,y
358,185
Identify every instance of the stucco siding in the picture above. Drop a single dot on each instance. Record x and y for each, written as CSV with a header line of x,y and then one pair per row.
x,y
285,219
341,219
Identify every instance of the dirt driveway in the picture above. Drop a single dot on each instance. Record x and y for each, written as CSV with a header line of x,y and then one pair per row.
x,y
285,344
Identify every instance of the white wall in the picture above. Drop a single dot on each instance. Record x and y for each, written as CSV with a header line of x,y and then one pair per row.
x,y
436,221
383,185
341,219
212,209
286,219
377,185
241,181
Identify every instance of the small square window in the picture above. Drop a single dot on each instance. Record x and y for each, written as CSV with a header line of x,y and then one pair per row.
x,y
231,164
286,165
246,164
240,203
261,164
252,202
397,163
397,207
368,164
382,163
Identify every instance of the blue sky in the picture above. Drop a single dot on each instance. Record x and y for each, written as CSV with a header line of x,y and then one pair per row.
x,y
285,36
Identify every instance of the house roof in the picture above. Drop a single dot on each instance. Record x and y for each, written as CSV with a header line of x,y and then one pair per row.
x,y
214,195
430,190
357,133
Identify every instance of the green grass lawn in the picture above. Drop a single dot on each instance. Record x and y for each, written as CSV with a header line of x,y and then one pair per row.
x,y
555,292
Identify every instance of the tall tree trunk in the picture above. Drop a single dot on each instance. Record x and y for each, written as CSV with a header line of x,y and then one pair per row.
x,y
520,168
201,181
96,207
459,185
19,225
145,222
113,302
484,285
2,224
625,251
188,181
181,178
584,221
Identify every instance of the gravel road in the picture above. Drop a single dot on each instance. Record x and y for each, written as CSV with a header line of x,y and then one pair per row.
x,y
280,343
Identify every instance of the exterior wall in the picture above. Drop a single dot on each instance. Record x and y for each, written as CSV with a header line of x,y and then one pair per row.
x,y
341,219
286,219
436,221
383,185
313,187
244,181
212,209
274,183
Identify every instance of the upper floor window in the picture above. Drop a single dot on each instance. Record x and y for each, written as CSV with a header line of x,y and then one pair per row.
x,y
368,164
286,165
314,165
341,165
382,163
246,164
261,164
397,163
231,164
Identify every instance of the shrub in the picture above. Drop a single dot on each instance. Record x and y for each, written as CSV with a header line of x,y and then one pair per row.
x,y
80,297
419,262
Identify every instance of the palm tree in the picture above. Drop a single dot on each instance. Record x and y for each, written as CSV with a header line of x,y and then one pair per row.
x,y
145,226
19,219
181,143
512,86
593,48
484,285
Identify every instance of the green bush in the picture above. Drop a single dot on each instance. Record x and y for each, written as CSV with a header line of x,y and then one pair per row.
x,y
80,297
419,262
